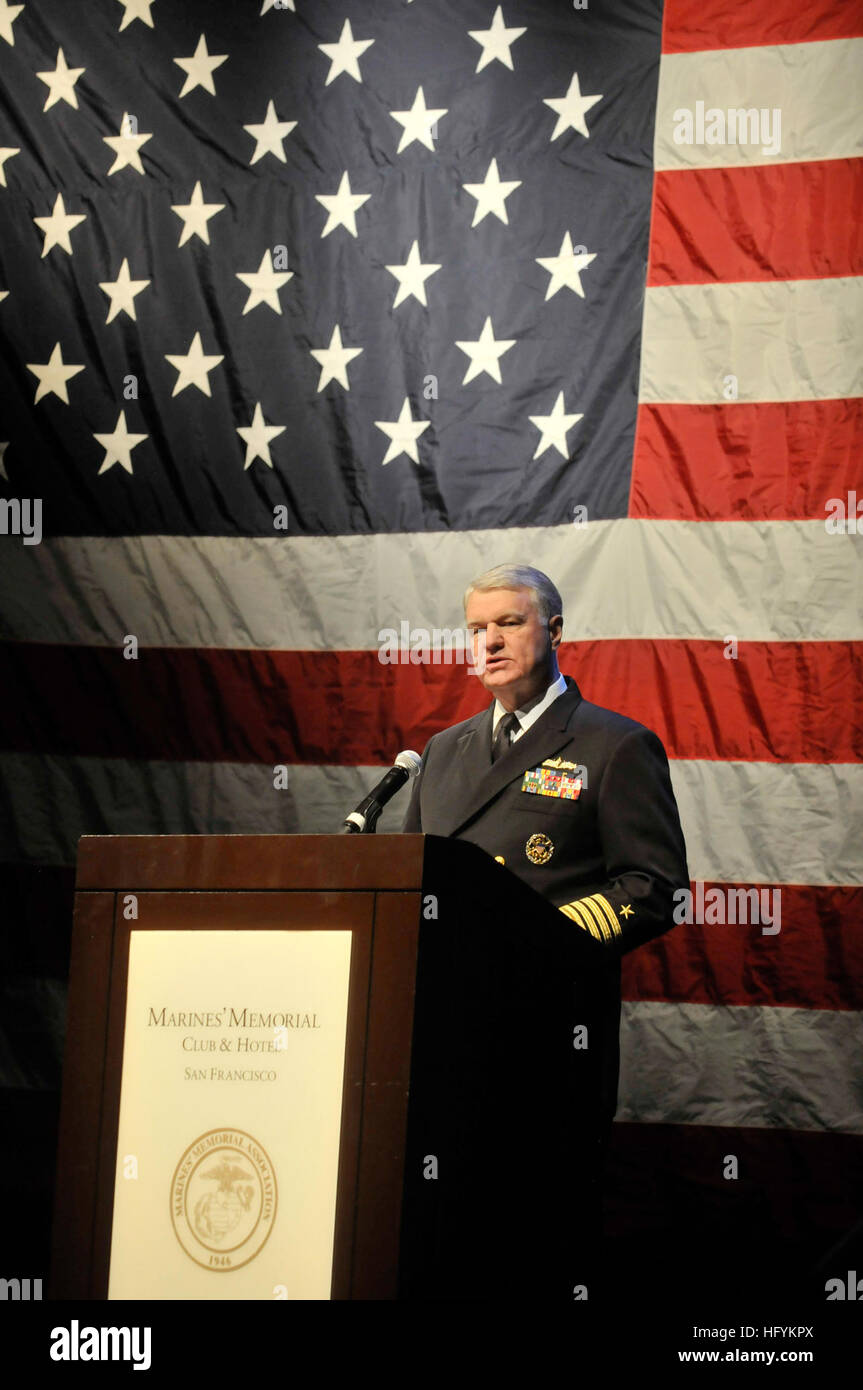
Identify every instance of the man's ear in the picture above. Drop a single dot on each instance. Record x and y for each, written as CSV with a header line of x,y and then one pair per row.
x,y
555,628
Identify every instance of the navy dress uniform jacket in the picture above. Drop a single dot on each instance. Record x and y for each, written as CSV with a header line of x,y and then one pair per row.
x,y
610,853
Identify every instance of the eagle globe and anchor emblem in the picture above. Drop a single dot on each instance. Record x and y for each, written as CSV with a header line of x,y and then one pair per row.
x,y
223,1199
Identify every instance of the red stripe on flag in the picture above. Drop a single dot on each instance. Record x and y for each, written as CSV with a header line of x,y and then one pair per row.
x,y
691,26
814,961
735,461
720,225
668,1195
773,702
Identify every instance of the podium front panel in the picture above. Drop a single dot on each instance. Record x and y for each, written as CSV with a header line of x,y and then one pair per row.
x,y
224,988
230,1113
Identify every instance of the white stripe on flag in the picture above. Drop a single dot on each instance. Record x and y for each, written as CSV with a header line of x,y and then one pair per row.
x,y
771,822
787,340
50,801
814,86
743,822
743,1066
618,579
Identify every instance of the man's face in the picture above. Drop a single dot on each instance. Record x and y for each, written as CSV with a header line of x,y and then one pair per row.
x,y
519,646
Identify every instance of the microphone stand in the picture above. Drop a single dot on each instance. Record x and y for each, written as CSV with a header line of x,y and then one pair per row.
x,y
359,824
364,818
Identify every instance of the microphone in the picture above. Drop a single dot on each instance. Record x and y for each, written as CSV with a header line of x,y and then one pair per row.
x,y
363,820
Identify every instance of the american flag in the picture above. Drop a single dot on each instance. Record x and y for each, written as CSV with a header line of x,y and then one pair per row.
x,y
313,310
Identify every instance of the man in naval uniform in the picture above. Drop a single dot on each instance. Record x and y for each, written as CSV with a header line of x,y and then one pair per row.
x,y
574,799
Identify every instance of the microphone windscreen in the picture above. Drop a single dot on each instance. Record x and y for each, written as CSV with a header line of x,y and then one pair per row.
x,y
410,761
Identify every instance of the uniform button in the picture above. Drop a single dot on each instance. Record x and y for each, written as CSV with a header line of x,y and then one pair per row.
x,y
499,859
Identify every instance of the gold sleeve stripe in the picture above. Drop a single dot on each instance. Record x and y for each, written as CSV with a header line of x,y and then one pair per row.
x,y
590,925
573,911
603,903
587,906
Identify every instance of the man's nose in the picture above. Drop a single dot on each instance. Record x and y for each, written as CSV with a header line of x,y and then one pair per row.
x,y
493,636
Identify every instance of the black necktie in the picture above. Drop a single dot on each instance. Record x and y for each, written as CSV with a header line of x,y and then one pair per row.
x,y
508,726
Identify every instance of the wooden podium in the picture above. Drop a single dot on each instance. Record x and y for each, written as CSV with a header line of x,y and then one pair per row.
x,y
467,1110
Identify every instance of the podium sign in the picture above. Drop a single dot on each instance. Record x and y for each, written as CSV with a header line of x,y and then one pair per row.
x,y
230,1111
311,1067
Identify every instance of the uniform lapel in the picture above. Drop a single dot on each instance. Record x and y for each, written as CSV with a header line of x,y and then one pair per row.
x,y
474,747
482,780
467,765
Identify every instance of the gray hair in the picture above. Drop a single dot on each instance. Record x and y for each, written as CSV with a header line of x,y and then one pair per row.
x,y
545,596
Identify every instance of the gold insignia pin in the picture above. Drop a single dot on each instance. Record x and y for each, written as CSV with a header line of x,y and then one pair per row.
x,y
561,764
627,911
539,849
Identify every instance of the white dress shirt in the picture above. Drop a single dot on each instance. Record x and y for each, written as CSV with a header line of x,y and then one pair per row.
x,y
529,716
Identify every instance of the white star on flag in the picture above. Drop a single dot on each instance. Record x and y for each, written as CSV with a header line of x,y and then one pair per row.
x,y
8,15
485,353
403,434
8,152
200,67
566,267
126,146
121,293
270,135
257,436
571,109
264,284
58,226
418,122
193,368
491,195
334,360
342,207
136,9
553,428
495,41
118,446
412,277
3,473
343,55
195,215
61,83
53,375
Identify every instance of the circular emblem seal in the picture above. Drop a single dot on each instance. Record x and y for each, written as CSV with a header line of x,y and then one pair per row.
x,y
539,849
223,1199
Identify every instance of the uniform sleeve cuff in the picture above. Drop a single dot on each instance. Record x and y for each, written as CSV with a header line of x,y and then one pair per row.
x,y
595,915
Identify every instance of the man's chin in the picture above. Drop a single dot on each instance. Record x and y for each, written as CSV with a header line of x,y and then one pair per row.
x,y
498,678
